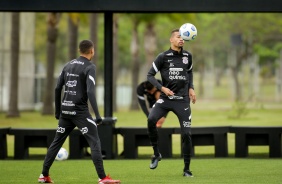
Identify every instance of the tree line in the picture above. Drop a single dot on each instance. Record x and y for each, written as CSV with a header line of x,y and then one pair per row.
x,y
138,38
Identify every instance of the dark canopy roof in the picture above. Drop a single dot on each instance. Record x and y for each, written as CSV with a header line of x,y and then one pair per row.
x,y
143,5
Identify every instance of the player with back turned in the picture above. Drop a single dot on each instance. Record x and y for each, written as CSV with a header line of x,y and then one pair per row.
x,y
175,66
78,80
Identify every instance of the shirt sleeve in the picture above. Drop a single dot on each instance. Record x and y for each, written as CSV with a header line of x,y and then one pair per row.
x,y
190,72
141,99
91,88
156,66
58,91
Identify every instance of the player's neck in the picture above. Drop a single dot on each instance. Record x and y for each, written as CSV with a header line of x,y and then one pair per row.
x,y
88,56
178,49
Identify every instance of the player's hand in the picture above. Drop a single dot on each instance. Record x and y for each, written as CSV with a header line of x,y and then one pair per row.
x,y
98,120
57,115
192,95
167,91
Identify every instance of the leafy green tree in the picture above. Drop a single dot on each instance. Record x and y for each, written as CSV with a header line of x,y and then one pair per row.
x,y
13,110
93,33
134,47
150,41
93,17
73,24
52,34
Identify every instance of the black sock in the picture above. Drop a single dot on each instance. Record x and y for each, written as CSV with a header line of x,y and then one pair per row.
x,y
45,174
156,150
187,167
45,171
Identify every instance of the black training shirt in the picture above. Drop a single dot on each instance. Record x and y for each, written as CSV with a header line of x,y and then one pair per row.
x,y
176,72
78,79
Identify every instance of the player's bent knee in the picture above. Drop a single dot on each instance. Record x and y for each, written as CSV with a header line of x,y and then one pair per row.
x,y
152,121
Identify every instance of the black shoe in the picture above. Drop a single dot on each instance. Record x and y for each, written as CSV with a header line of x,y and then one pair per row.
x,y
155,160
187,173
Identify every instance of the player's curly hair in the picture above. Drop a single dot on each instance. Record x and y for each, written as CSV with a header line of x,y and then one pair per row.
x,y
85,46
148,85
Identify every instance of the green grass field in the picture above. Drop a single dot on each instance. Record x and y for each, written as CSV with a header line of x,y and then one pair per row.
x,y
257,168
230,170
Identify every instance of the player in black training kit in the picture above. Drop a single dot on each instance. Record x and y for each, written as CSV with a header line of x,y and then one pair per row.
x,y
146,91
175,66
78,79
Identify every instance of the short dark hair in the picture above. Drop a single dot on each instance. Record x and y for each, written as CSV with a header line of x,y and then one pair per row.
x,y
174,30
148,85
85,46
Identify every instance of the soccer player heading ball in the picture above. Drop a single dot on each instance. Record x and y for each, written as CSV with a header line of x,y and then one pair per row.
x,y
175,66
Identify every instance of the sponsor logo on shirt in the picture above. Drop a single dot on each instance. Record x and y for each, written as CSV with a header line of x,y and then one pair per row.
x,y
177,77
70,92
69,112
175,97
71,83
175,73
76,62
176,69
67,103
72,74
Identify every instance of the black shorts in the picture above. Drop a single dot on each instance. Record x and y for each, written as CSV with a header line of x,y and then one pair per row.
x,y
180,108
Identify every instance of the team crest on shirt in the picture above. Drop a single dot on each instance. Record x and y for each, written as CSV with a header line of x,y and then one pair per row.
x,y
185,60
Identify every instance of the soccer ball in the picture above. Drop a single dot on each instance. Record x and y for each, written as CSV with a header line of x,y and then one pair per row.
x,y
63,154
188,32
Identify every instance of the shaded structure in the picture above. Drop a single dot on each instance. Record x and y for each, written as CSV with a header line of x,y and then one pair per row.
x,y
109,7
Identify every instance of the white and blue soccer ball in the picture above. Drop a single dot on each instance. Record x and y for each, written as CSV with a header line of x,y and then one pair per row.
x,y
63,154
188,32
